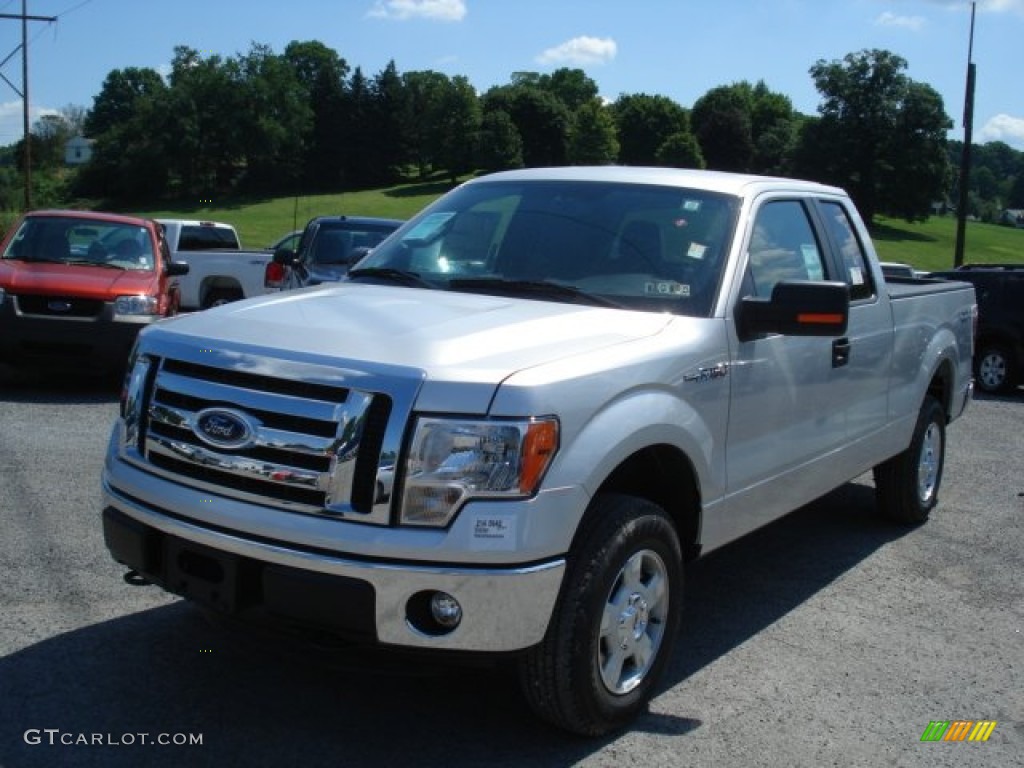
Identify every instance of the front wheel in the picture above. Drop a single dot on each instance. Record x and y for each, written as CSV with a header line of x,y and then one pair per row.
x,y
907,485
614,623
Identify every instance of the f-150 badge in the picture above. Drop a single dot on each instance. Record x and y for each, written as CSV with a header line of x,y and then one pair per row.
x,y
719,371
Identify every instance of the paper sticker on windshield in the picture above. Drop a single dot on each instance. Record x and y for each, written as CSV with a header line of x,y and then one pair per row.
x,y
670,289
431,227
696,251
494,532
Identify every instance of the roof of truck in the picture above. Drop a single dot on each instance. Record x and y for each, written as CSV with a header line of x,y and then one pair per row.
x,y
737,184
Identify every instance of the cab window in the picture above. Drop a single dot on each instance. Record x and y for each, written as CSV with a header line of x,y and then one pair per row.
x,y
783,246
851,252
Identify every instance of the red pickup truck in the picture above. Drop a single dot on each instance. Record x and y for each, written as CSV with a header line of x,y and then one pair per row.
x,y
77,286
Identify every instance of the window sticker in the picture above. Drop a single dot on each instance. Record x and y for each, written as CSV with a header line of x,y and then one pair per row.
x,y
856,276
493,533
812,262
431,227
670,289
696,251
691,205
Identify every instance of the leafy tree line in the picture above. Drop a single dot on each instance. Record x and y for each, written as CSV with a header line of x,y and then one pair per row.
x,y
304,121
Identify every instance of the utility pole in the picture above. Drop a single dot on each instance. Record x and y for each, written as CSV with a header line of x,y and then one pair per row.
x,y
25,19
965,157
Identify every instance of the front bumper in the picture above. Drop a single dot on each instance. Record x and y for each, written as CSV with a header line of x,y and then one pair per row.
x,y
55,341
504,608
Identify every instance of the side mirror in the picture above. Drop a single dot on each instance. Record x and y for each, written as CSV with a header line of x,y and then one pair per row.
x,y
797,308
285,257
176,268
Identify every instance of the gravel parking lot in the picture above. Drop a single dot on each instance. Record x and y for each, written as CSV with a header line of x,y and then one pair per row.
x,y
829,638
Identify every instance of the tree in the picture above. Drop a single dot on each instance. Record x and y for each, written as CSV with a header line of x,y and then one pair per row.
x,y
201,123
572,87
541,119
593,138
721,121
742,127
127,122
321,73
390,148
500,146
882,136
119,97
273,118
425,102
458,127
680,150
644,124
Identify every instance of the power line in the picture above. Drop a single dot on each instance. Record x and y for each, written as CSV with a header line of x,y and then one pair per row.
x,y
25,18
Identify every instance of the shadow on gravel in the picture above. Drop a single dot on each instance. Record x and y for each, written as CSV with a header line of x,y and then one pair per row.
x,y
59,387
167,671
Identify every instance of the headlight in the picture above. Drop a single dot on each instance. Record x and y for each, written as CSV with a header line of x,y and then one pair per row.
x,y
136,305
2,296
451,461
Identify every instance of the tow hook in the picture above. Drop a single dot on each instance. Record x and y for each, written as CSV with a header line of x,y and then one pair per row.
x,y
135,579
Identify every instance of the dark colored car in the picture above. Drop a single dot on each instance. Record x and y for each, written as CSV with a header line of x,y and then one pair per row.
x,y
999,346
76,287
328,247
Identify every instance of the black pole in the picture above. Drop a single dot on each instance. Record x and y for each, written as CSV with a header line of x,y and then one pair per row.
x,y
965,157
25,106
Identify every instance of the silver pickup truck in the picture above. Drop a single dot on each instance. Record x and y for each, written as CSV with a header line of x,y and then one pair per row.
x,y
509,428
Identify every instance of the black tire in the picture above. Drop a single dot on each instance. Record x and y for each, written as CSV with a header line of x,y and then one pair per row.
x,y
220,296
993,368
907,485
624,583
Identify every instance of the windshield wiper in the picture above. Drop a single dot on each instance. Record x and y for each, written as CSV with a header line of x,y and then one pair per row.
x,y
506,287
87,263
390,275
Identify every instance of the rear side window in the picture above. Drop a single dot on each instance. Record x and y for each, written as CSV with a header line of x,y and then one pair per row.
x,y
854,261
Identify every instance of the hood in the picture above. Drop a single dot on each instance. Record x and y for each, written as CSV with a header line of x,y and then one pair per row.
x,y
446,336
74,280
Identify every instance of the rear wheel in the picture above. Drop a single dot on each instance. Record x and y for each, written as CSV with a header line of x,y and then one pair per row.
x,y
907,485
220,296
993,368
615,621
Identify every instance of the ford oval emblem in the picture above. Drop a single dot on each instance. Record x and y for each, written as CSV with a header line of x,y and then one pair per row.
x,y
58,305
223,428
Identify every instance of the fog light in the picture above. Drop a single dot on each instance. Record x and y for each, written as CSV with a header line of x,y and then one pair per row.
x,y
445,610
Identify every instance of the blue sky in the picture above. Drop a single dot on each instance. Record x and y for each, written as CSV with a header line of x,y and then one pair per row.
x,y
675,48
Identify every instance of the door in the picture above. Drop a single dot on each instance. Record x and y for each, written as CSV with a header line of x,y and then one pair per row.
x,y
783,419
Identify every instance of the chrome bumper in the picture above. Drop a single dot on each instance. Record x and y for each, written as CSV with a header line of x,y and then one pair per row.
x,y
504,608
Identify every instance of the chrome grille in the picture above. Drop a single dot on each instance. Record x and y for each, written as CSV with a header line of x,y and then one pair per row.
x,y
311,448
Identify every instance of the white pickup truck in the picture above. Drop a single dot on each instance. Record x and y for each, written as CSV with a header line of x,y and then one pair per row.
x,y
568,382
219,270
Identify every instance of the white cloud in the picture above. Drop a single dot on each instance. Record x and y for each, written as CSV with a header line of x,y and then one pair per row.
x,y
579,51
402,10
1003,128
889,19
12,129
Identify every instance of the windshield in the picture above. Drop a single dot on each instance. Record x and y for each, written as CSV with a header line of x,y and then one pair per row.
x,y
641,247
345,242
60,240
